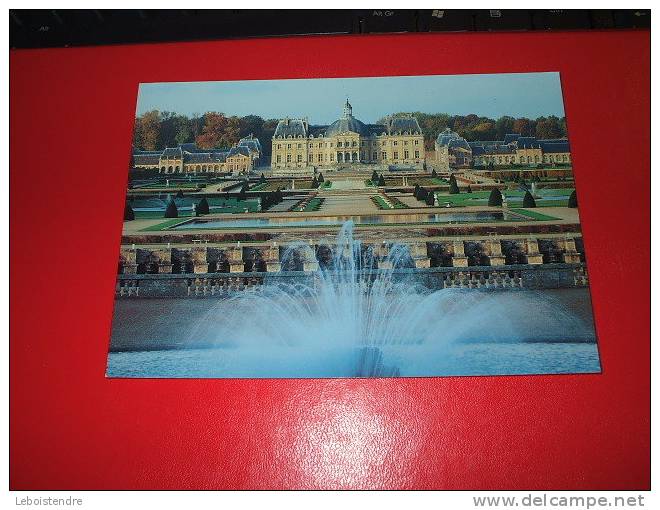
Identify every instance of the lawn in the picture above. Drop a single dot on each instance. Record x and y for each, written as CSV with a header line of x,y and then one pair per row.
x,y
313,205
514,198
534,215
164,225
216,205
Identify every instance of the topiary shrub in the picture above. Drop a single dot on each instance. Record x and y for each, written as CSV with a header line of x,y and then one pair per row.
x,y
430,198
495,198
129,214
203,206
374,177
434,173
528,200
179,194
572,200
320,178
172,211
381,180
453,186
468,190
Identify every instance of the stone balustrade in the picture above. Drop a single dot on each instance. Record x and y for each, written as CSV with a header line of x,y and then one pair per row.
x,y
271,258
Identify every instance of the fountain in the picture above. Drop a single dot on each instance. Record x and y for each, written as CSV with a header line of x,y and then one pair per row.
x,y
366,314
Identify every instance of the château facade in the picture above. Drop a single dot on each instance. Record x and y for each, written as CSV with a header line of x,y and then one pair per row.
x,y
187,158
453,151
300,147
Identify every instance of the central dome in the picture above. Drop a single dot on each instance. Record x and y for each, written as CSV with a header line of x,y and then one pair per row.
x,y
347,124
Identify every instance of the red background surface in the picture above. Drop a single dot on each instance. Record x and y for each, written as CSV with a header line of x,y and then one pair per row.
x,y
71,428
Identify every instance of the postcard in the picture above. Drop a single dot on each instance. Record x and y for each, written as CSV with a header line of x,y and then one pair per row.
x,y
408,226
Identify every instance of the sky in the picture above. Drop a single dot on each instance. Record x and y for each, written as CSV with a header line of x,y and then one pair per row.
x,y
529,95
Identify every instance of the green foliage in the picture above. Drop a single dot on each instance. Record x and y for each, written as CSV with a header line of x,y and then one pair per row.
x,y
434,173
129,214
374,177
381,180
172,211
572,200
430,198
203,206
270,199
453,186
528,200
244,189
262,178
495,198
179,194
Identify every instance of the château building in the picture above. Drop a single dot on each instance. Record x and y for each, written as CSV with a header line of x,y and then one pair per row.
x,y
188,158
300,147
453,151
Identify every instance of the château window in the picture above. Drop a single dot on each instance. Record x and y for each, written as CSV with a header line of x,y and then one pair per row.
x,y
395,142
416,142
288,158
300,145
279,145
383,155
332,157
405,155
396,155
288,145
279,158
299,158
416,154
338,144
311,158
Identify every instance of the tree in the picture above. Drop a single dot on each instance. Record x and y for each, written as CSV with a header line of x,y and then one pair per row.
x,y
172,211
262,179
203,206
374,177
549,127
495,198
242,195
251,125
416,191
129,214
423,193
146,132
528,200
218,131
320,177
572,200
381,180
430,198
453,186
315,183
179,194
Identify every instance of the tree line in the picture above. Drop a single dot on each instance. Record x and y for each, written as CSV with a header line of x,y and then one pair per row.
x,y
155,130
